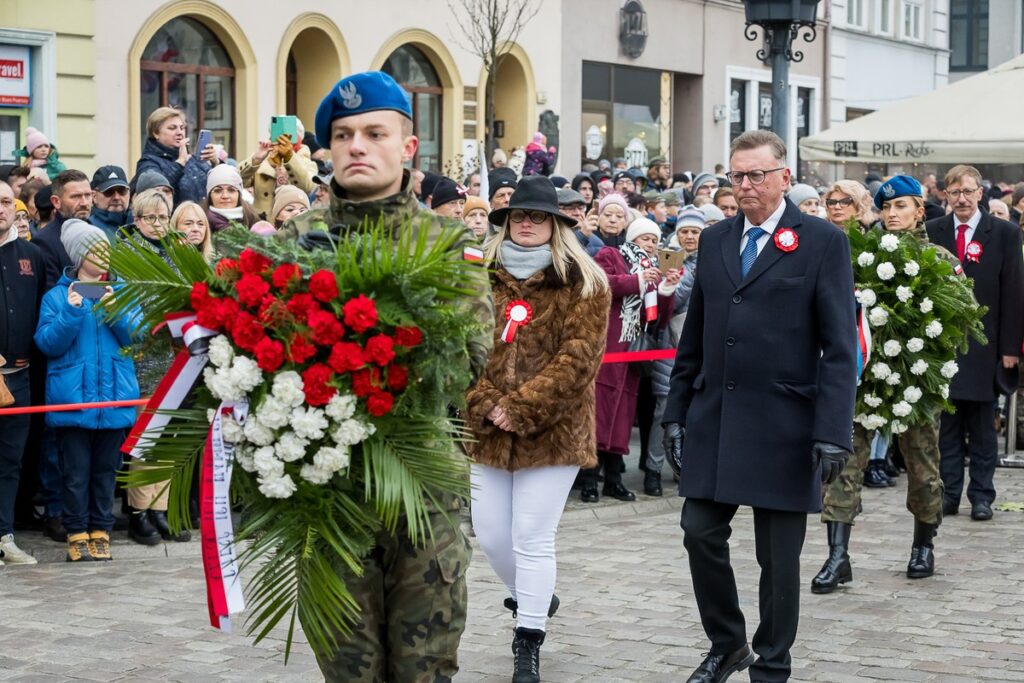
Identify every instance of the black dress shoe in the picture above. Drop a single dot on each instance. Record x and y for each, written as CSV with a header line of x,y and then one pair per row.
x,y
981,512
950,508
589,494
141,530
159,520
718,668
619,492
875,477
652,483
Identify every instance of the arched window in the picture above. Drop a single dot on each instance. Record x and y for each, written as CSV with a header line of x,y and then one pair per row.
x,y
184,65
410,67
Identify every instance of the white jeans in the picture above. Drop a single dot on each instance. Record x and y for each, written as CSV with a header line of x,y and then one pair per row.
x,y
515,517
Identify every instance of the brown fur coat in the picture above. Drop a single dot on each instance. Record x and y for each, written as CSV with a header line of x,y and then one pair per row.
x,y
544,379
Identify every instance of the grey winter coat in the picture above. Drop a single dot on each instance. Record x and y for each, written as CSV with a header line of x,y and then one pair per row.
x,y
668,336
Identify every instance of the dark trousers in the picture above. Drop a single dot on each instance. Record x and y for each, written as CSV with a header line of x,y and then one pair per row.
x,y
778,540
13,434
969,431
91,458
612,464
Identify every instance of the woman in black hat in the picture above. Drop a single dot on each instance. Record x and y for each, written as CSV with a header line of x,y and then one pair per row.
x,y
532,410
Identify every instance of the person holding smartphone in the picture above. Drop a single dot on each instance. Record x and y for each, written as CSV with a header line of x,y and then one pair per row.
x,y
284,160
167,152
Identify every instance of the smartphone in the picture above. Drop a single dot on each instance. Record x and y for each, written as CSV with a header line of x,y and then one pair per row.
x,y
93,291
205,138
284,125
669,259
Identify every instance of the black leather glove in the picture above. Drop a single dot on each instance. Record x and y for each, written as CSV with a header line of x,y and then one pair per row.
x,y
831,458
672,441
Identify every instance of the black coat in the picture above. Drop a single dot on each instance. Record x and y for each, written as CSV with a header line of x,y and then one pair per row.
x,y
999,284
54,254
766,366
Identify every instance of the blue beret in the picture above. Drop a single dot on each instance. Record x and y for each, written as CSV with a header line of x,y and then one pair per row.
x,y
898,186
358,94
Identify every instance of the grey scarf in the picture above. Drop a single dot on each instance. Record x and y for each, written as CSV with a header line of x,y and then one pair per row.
x,y
522,262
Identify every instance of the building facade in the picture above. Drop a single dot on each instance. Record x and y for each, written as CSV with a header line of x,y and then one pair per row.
x,y
983,34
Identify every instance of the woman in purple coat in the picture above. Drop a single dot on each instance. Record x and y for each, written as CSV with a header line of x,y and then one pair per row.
x,y
637,285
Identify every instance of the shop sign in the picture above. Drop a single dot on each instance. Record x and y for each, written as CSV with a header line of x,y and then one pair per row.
x,y
633,28
594,142
636,154
15,80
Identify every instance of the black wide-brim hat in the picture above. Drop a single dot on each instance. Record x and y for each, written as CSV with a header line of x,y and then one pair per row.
x,y
533,193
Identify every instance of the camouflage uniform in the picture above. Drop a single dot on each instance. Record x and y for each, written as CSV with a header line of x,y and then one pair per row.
x,y
412,597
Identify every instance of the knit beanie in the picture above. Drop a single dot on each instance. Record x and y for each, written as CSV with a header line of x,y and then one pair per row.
x,y
610,199
285,195
703,179
473,203
78,237
33,139
801,192
642,226
263,228
691,217
149,180
711,213
223,174
20,206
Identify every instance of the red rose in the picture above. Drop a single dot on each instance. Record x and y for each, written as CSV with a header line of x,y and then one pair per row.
x,y
227,269
251,289
301,305
398,377
324,285
346,357
314,384
285,274
364,382
380,403
247,331
408,336
380,349
250,261
200,296
299,349
324,328
360,314
269,354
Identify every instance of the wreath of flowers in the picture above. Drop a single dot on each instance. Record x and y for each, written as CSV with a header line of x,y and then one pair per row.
x,y
921,312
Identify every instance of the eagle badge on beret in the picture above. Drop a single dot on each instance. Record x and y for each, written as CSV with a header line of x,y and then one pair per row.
x,y
350,97
888,190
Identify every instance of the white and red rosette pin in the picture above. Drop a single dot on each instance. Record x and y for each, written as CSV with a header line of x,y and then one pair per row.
x,y
517,314
786,239
973,252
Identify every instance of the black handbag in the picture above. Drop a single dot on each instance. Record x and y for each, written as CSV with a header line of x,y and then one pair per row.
x,y
647,340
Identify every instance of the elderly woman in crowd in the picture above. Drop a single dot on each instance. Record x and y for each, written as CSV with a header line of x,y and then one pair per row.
x,y
166,151
806,198
848,199
224,203
189,220
613,217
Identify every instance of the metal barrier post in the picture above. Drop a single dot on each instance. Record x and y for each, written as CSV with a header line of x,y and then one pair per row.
x,y
1011,424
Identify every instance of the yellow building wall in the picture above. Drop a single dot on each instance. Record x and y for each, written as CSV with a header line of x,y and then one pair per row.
x,y
74,23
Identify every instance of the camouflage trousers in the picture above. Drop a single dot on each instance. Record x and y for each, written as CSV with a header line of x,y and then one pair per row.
x,y
920,448
413,602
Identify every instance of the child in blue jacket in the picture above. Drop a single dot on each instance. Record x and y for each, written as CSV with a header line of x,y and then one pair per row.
x,y
86,365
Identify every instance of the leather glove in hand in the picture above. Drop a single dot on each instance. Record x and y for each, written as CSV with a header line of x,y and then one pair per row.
x,y
832,459
283,147
672,441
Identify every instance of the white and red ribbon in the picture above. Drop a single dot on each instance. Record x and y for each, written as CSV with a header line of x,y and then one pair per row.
x,y
517,313
973,252
651,304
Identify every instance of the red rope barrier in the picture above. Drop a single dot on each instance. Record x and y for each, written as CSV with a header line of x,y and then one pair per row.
x,y
633,356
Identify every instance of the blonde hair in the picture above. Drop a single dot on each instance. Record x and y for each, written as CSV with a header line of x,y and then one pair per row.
x,y
961,171
565,251
206,247
159,117
148,199
860,196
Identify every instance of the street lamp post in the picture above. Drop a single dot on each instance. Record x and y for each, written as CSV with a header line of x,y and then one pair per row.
x,y
781,21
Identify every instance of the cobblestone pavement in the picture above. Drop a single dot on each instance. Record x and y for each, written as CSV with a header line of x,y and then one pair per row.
x,y
627,607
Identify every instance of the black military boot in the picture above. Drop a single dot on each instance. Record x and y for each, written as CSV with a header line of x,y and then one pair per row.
x,y
512,605
141,529
526,655
652,483
836,569
922,555
875,476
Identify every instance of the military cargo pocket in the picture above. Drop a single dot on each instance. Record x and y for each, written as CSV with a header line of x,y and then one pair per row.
x,y
448,614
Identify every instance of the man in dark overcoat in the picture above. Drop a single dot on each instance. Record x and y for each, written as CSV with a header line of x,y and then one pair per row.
x,y
990,250
763,388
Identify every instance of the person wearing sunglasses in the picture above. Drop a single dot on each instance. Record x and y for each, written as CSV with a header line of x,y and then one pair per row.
x,y
846,200
110,200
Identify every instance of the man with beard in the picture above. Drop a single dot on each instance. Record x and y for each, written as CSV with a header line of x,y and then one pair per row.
x,y
110,200
72,198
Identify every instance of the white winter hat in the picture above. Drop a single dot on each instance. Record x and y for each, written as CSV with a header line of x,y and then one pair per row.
x,y
642,226
223,174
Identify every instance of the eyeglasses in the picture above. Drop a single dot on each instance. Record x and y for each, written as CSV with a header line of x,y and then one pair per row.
x,y
153,219
519,216
115,190
844,202
955,194
755,177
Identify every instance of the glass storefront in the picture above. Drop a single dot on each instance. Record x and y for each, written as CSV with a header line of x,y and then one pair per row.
x,y
410,67
625,112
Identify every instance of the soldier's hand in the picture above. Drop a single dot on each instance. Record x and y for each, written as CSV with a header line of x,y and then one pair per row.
x,y
831,458
672,441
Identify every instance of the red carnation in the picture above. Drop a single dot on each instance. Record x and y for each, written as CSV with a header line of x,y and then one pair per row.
x,y
380,403
360,314
299,349
272,312
380,349
364,382
209,315
269,354
227,309
408,336
252,262
247,331
301,305
346,357
285,274
324,328
251,289
398,377
227,269
200,296
324,285
314,384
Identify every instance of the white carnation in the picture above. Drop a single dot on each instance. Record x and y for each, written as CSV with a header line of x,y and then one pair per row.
x,y
243,456
309,423
230,430
865,259
912,268
915,344
867,297
898,427
902,409
331,459
218,381
288,389
273,413
949,369
872,422
926,305
277,487
257,432
893,379
944,391
341,407
880,370
290,447
934,329
878,316
266,463
886,271
246,373
315,475
872,401
892,348
221,352
889,242
919,367
904,294
351,432
912,394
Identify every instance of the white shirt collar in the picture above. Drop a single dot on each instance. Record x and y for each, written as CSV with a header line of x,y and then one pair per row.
x,y
972,222
770,223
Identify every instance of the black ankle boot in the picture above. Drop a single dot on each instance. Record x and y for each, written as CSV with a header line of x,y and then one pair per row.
x,y
836,569
140,529
875,476
159,520
652,483
922,555
512,605
526,655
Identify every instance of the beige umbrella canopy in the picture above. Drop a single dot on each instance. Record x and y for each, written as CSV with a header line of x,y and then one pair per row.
x,y
977,120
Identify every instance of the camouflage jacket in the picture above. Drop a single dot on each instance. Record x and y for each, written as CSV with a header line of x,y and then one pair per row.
x,y
921,234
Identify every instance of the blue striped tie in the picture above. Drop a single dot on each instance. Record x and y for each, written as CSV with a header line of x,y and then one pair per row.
x,y
750,250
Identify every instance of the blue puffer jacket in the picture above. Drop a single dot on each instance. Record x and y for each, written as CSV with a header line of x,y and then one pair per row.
x,y
189,181
86,363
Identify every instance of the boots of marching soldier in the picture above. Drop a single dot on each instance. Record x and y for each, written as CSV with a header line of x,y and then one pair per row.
x,y
526,655
875,476
836,569
922,554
